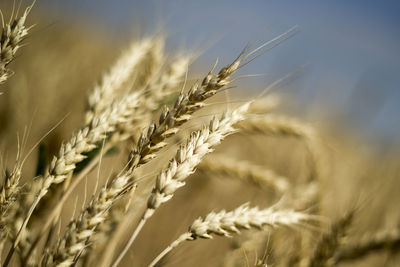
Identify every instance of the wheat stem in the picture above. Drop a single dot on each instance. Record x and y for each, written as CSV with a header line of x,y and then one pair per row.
x,y
179,240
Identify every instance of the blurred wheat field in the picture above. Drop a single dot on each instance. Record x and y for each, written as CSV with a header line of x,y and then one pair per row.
x,y
93,110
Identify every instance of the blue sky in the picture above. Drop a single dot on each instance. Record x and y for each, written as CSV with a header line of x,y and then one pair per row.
x,y
352,47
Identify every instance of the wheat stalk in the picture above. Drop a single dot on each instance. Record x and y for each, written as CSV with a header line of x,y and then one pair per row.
x,y
369,243
77,235
265,104
166,82
155,92
87,139
152,65
15,218
227,223
114,82
278,125
73,152
140,102
152,140
66,252
186,159
330,242
245,170
111,82
281,125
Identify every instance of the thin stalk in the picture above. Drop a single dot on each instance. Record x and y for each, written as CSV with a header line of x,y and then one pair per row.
x,y
131,239
182,238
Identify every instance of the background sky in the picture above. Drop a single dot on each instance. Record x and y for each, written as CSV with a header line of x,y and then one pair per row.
x,y
352,48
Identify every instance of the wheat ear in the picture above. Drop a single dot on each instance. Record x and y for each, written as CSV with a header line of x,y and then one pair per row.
x,y
11,37
73,152
164,85
167,81
99,102
9,192
281,125
152,140
265,104
186,159
226,223
152,65
105,92
154,93
116,79
77,235
246,171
